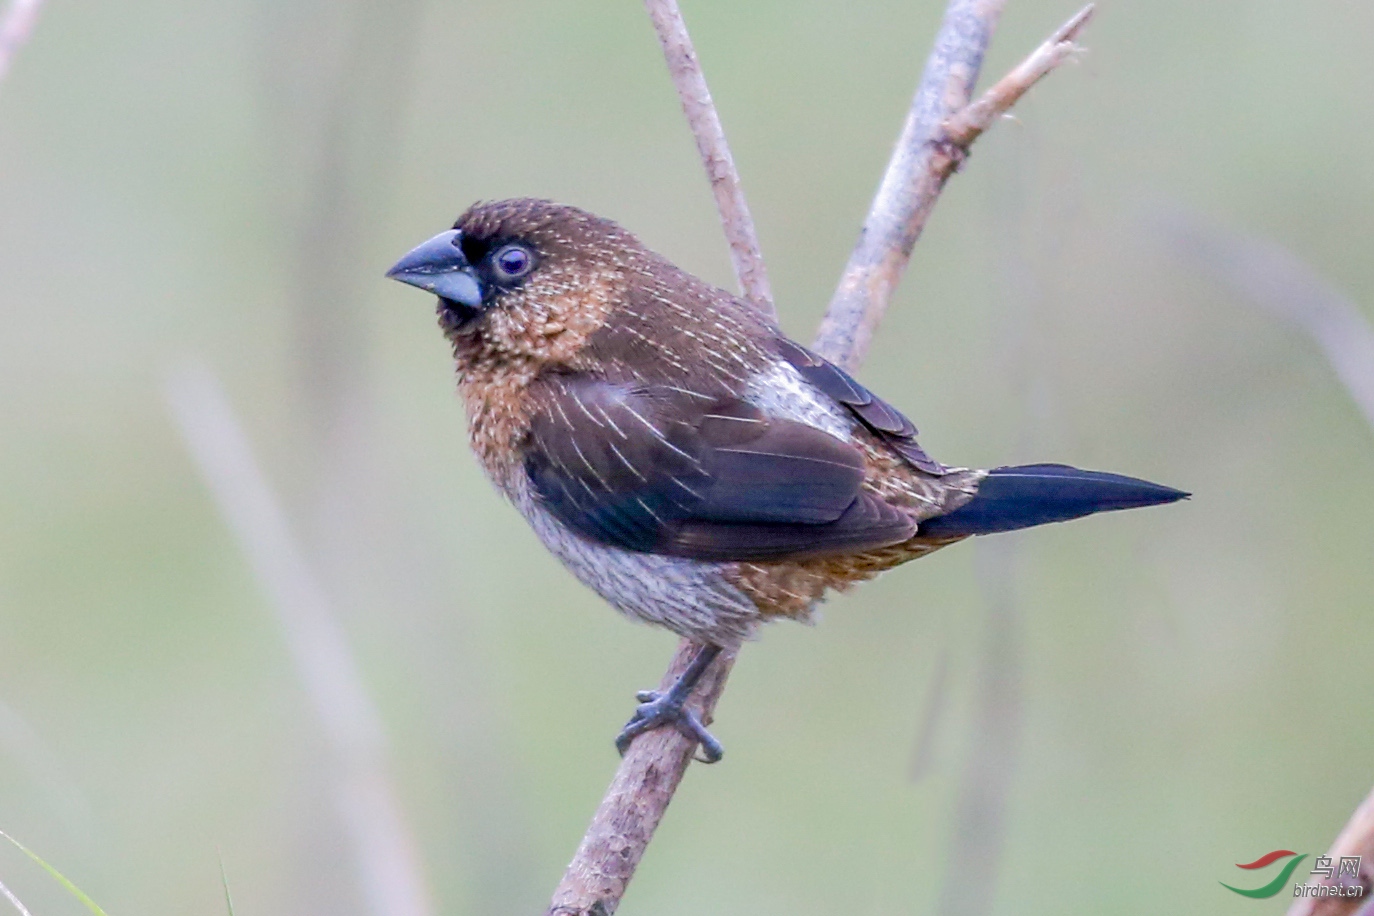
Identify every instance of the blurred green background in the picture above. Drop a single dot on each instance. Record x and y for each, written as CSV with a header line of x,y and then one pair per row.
x,y
1130,704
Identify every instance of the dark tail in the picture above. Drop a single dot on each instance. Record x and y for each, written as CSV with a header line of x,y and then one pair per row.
x,y
1036,494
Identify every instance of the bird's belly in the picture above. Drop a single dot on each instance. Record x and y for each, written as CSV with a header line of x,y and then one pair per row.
x,y
692,598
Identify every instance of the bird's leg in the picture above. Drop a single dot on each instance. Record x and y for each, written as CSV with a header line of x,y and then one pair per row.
x,y
668,707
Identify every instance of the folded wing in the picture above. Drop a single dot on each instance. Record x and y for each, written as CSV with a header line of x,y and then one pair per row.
x,y
880,417
662,470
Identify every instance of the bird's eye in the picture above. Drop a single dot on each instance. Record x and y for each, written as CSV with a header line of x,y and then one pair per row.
x,y
513,262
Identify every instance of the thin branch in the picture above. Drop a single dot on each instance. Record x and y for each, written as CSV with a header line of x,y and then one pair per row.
x,y
1272,277
635,802
648,776
1357,839
969,124
690,82
385,853
653,766
926,155
15,29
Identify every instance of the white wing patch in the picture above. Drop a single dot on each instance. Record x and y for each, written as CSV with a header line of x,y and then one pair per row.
x,y
781,391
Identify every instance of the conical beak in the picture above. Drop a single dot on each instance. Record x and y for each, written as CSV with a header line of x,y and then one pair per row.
x,y
440,267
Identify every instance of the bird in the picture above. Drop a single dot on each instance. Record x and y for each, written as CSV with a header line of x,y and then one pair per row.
x,y
681,455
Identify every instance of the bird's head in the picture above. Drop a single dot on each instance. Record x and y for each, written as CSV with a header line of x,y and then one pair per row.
x,y
524,277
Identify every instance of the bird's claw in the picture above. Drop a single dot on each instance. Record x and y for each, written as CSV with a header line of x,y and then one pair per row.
x,y
657,709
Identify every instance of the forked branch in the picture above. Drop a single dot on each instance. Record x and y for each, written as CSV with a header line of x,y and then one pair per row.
x,y
653,766
940,127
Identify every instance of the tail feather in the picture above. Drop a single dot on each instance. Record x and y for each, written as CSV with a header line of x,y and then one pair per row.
x,y
1036,494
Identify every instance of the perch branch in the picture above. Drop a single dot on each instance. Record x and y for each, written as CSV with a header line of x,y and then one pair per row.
x,y
940,126
387,862
690,83
653,766
636,800
1357,839
15,29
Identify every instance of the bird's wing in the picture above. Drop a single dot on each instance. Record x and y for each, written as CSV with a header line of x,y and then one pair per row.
x,y
880,417
662,470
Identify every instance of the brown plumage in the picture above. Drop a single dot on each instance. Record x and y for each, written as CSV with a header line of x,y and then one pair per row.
x,y
675,450
600,306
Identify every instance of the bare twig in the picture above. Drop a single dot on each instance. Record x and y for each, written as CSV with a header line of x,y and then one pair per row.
x,y
385,853
1357,839
685,70
653,766
967,125
648,776
1272,277
635,802
926,155
15,28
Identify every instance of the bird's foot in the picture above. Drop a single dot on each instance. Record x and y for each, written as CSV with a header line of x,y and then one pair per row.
x,y
669,707
657,709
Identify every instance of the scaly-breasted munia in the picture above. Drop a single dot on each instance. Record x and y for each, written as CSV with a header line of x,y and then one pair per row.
x,y
678,453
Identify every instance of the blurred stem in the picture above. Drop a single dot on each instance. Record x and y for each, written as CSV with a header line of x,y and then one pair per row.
x,y
385,853
993,756
923,753
1275,279
334,78
9,895
16,28
333,75
990,766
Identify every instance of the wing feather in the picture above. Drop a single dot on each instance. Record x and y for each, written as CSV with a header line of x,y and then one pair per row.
x,y
879,416
697,477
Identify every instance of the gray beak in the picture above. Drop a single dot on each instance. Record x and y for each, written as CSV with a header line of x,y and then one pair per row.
x,y
440,267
